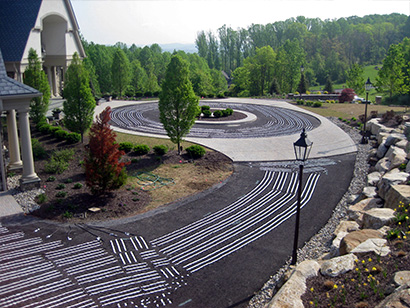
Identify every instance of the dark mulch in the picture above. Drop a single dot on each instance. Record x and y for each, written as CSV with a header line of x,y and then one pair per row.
x,y
363,287
123,202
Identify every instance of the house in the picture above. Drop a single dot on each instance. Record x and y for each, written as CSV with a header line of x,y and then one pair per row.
x,y
48,26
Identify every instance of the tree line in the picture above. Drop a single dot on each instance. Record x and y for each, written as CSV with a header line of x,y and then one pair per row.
x,y
139,71
324,48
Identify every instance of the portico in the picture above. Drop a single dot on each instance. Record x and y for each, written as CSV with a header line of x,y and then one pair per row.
x,y
15,100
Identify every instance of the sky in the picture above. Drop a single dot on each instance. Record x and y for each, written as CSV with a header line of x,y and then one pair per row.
x,y
145,22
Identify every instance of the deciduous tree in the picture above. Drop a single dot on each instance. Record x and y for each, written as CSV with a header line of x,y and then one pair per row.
x,y
35,77
355,79
120,71
178,104
79,104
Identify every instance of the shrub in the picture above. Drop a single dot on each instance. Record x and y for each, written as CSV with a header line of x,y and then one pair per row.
x,y
61,194
141,149
207,113
53,129
217,113
38,150
229,111
317,104
68,214
61,134
58,162
63,155
77,186
300,102
41,198
68,181
126,146
196,151
60,186
203,108
51,178
347,95
160,149
73,138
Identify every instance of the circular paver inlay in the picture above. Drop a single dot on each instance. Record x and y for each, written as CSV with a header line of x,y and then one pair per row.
x,y
269,121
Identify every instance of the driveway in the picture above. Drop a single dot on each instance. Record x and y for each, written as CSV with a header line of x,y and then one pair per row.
x,y
215,249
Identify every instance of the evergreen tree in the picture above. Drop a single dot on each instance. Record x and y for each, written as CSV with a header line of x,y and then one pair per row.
x,y
178,104
103,170
329,85
79,104
35,77
120,71
302,87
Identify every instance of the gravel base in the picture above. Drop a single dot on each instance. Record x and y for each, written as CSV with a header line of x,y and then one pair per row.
x,y
320,243
26,199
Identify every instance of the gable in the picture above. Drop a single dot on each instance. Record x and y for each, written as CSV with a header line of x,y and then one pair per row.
x,y
17,18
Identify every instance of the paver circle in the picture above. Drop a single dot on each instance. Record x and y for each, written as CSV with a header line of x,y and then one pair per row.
x,y
270,121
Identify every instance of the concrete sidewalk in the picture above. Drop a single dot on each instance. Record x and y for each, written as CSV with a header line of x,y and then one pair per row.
x,y
9,205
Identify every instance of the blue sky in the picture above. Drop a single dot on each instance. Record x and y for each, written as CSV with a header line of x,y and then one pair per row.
x,y
145,22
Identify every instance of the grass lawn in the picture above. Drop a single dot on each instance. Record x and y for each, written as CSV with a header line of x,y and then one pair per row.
x,y
150,141
347,111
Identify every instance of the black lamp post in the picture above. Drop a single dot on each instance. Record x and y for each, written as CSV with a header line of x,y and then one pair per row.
x,y
368,86
302,149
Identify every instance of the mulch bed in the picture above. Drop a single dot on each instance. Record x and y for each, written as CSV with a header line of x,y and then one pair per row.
x,y
126,201
365,286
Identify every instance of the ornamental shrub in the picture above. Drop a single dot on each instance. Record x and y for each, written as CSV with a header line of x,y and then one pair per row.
x,y
141,149
61,134
38,150
126,146
317,104
73,138
160,150
53,129
205,108
347,95
196,151
217,113
207,113
103,170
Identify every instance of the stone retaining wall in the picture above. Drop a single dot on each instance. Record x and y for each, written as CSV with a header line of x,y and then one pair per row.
x,y
368,216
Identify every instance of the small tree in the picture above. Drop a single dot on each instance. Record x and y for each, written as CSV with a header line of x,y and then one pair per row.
x,y
103,170
35,77
120,71
355,78
347,95
178,104
80,103
302,87
329,85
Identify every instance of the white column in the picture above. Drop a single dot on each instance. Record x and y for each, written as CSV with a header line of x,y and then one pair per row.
x,y
54,76
50,80
29,175
14,149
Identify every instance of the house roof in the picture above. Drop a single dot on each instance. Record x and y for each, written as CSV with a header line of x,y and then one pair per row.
x,y
10,87
17,18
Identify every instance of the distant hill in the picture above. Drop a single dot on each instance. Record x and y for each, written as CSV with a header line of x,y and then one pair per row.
x,y
188,48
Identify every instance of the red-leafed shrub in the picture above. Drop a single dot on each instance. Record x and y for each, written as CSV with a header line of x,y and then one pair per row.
x,y
347,95
103,169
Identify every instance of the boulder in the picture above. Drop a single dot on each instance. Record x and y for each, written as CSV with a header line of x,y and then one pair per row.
x,y
396,300
377,218
382,150
396,157
402,278
376,245
408,167
383,165
355,212
373,178
393,177
334,248
346,226
338,266
355,238
290,293
402,144
394,138
397,194
369,192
